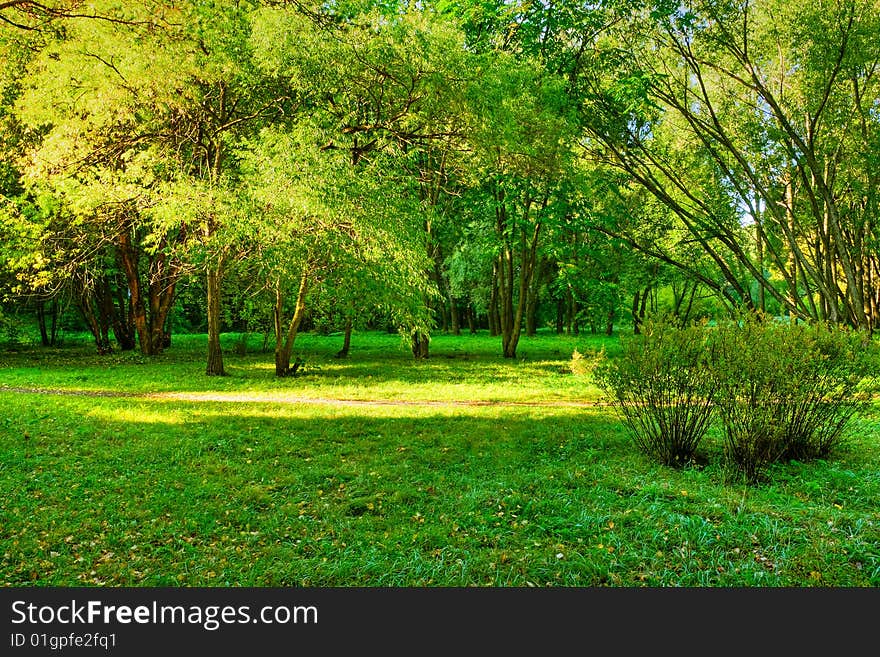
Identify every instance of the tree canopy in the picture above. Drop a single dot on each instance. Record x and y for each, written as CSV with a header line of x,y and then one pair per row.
x,y
504,166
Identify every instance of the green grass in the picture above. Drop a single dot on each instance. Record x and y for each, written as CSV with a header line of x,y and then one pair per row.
x,y
380,367
149,490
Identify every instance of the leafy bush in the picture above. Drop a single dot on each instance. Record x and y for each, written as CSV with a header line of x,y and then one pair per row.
x,y
660,388
782,391
785,391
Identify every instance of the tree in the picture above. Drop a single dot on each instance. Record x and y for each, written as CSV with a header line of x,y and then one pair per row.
x,y
389,84
145,107
333,235
756,114
522,143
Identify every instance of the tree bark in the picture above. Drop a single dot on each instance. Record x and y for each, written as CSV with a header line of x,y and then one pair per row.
x,y
454,318
346,341
123,325
511,311
48,329
637,321
494,321
284,344
420,345
531,313
148,315
161,297
759,243
215,352
571,311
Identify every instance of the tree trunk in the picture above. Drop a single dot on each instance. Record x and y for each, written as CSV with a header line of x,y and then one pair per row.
x,y
759,238
123,324
455,321
570,311
687,311
637,321
531,314
129,259
420,345
215,353
161,297
511,314
494,321
509,338
99,333
284,345
45,340
346,341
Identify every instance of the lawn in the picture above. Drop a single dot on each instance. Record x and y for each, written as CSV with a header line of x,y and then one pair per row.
x,y
378,470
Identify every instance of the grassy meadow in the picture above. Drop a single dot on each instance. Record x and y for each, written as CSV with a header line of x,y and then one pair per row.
x,y
378,470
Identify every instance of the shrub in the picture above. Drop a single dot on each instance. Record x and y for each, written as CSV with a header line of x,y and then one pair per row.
x,y
784,391
660,388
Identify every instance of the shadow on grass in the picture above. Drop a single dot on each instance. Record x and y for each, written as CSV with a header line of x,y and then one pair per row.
x,y
108,491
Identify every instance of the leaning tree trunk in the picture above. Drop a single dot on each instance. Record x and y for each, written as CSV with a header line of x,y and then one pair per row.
x,y
215,352
163,281
284,344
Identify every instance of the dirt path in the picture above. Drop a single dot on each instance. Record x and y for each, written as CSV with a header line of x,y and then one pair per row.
x,y
256,397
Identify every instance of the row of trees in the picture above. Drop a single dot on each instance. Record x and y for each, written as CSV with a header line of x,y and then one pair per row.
x,y
433,165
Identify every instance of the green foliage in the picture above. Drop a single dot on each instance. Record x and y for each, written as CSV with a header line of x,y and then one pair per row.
x,y
659,387
781,391
10,330
786,391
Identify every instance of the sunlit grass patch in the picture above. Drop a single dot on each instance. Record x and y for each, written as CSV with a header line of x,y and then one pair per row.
x,y
136,413
460,368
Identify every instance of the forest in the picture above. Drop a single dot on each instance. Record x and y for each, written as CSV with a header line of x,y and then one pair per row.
x,y
501,247
273,166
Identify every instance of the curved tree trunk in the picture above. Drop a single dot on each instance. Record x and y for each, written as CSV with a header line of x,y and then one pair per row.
x,y
284,344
